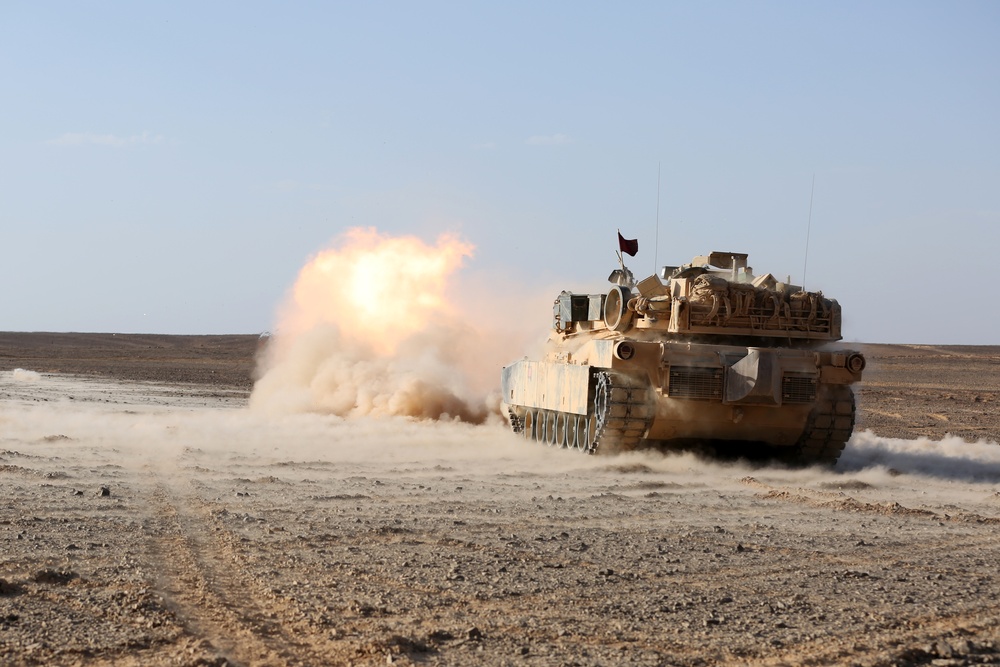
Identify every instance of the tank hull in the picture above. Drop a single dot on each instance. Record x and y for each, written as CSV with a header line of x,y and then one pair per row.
x,y
677,420
669,395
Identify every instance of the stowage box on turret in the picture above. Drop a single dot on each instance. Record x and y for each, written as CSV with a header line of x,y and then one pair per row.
x,y
704,355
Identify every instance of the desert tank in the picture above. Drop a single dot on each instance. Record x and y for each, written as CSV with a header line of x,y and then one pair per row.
x,y
706,355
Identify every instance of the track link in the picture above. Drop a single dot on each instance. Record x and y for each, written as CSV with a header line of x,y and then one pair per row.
x,y
829,427
624,411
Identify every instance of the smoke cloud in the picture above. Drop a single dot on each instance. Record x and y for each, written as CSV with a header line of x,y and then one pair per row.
x,y
379,325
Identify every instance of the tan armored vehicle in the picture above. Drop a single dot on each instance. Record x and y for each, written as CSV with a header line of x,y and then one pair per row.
x,y
705,356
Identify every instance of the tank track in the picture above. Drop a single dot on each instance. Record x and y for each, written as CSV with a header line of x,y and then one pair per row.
x,y
830,426
624,412
618,417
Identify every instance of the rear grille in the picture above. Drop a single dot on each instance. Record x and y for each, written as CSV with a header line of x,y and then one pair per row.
x,y
703,383
798,389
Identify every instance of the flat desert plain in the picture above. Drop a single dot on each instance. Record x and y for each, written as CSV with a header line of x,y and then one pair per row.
x,y
149,517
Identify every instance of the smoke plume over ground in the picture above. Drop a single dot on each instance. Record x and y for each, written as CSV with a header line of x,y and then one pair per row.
x,y
381,326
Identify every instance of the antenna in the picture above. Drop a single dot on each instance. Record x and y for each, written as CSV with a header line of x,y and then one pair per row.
x,y
805,262
656,247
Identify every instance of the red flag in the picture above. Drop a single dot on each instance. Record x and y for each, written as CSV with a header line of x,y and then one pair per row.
x,y
628,246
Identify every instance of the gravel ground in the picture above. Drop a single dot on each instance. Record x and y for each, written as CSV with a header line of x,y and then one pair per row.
x,y
163,523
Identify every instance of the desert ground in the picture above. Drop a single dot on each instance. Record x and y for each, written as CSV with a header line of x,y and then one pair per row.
x,y
149,517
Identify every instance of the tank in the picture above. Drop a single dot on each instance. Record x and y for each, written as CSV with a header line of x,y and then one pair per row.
x,y
704,356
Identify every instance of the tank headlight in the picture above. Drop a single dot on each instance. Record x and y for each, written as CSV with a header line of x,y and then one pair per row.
x,y
625,351
856,362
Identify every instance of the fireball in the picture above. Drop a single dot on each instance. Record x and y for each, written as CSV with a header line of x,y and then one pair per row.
x,y
377,290
368,330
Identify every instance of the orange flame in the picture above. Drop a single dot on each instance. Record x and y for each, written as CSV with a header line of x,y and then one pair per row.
x,y
368,329
378,290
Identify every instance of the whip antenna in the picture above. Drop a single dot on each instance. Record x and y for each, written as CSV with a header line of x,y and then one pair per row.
x,y
656,246
805,262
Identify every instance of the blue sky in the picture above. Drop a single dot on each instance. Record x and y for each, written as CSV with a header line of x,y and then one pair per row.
x,y
168,167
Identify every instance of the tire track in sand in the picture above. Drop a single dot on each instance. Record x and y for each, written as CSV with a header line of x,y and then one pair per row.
x,y
205,582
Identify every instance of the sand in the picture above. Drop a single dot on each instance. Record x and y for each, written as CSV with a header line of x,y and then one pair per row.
x,y
148,517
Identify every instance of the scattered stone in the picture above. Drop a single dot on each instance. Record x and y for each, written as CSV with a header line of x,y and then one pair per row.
x,y
104,491
402,644
963,646
77,492
8,588
440,636
943,649
216,661
474,634
50,576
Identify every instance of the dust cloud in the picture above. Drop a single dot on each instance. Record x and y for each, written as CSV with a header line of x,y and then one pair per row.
x,y
151,421
381,325
949,458
152,427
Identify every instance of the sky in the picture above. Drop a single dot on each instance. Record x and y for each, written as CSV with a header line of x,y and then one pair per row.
x,y
169,167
